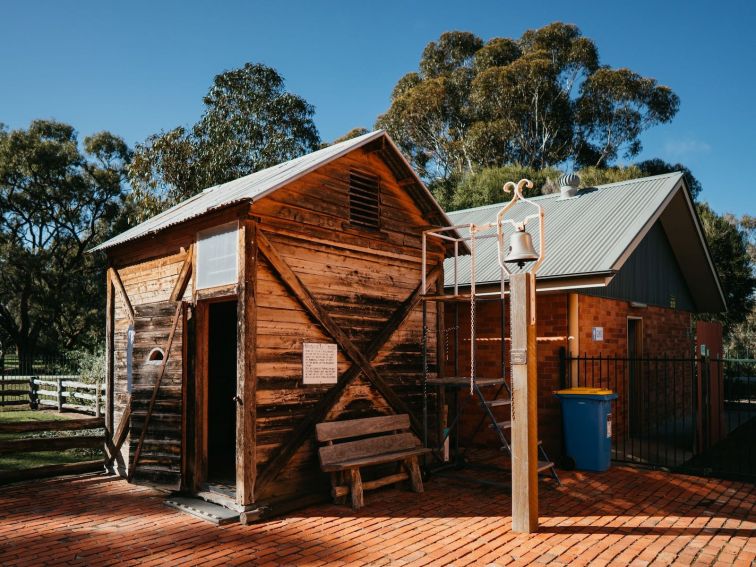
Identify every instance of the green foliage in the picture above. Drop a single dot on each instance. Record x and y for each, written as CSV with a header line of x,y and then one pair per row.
x,y
729,248
614,107
658,166
485,187
90,365
538,101
353,133
592,176
250,122
56,202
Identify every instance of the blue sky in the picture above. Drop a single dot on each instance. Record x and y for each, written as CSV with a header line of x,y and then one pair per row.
x,y
138,67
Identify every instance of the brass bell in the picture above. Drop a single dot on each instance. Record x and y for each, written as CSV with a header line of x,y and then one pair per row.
x,y
521,248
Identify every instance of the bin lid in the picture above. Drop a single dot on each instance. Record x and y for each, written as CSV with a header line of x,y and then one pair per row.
x,y
582,391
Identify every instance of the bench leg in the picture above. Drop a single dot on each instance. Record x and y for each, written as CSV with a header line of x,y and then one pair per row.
x,y
337,479
355,486
416,480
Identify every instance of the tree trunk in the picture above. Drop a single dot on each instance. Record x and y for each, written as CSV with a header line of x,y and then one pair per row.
x,y
25,357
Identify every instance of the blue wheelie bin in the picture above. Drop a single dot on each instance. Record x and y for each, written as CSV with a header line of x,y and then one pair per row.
x,y
587,420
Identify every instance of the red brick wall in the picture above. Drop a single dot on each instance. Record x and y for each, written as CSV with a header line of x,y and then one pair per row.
x,y
665,331
650,393
551,329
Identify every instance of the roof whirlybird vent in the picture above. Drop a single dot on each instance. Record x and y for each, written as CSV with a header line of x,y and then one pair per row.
x,y
568,185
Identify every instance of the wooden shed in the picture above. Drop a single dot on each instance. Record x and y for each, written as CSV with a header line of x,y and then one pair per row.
x,y
240,318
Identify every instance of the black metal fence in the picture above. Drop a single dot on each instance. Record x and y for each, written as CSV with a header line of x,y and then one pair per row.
x,y
44,380
694,415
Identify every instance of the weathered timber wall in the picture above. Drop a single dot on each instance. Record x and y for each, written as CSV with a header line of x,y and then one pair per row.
x,y
361,278
148,285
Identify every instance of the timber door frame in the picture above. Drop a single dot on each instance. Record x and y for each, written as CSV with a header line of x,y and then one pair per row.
x,y
199,450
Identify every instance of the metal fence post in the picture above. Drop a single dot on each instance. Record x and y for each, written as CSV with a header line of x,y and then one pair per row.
x,y
705,401
694,405
563,378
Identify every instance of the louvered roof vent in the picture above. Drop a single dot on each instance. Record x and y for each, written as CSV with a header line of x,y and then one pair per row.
x,y
364,200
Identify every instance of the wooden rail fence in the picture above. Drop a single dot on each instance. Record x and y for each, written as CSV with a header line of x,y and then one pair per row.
x,y
36,444
63,392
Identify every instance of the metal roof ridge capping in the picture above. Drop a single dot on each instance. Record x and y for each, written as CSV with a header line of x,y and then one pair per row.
x,y
249,187
587,233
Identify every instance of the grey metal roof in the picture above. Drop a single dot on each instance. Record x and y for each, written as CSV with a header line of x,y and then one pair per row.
x,y
251,187
585,235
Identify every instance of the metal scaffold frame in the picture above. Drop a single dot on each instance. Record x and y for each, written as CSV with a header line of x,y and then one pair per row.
x,y
469,235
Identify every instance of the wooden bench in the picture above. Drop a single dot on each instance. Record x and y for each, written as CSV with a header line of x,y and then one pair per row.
x,y
384,439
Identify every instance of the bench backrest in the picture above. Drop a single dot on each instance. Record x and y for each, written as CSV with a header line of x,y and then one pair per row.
x,y
335,430
385,438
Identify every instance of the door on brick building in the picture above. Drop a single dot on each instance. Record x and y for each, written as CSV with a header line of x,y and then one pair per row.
x,y
635,374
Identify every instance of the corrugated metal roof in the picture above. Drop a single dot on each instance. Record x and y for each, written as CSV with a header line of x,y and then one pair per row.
x,y
585,235
248,188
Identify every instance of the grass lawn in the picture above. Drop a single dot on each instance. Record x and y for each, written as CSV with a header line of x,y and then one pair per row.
x,y
21,461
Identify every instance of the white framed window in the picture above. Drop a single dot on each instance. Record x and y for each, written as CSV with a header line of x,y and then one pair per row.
x,y
217,256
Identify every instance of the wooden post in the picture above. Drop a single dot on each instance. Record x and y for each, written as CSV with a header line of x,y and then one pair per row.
x,y
98,389
33,397
109,354
60,394
524,408
246,370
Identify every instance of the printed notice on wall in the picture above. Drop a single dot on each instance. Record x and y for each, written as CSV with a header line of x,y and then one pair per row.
x,y
598,333
319,363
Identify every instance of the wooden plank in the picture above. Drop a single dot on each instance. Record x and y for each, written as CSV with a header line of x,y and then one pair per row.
x,y
50,444
13,382
341,490
382,459
124,296
53,425
318,312
109,354
524,408
334,430
367,450
155,390
4,393
302,431
50,470
14,403
184,276
246,382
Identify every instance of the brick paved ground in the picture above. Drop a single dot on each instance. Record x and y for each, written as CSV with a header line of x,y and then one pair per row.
x,y
623,517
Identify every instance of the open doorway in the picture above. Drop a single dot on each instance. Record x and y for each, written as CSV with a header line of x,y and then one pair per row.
x,y
221,392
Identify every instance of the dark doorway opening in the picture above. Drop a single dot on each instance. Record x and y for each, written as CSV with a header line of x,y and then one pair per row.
x,y
221,392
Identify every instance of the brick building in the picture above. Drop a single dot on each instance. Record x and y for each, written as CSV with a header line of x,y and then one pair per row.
x,y
626,269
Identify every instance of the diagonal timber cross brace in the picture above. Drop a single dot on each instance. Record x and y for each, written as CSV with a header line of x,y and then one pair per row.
x,y
361,362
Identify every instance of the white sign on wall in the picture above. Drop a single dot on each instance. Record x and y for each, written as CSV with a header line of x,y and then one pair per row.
x,y
319,363
598,333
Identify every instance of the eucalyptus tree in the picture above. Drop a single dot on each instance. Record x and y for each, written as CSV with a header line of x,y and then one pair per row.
x,y
536,101
57,200
250,122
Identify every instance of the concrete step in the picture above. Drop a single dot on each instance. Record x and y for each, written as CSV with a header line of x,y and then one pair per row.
x,y
208,511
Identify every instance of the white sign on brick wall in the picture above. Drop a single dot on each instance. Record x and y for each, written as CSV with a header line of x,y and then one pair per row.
x,y
319,363
598,333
